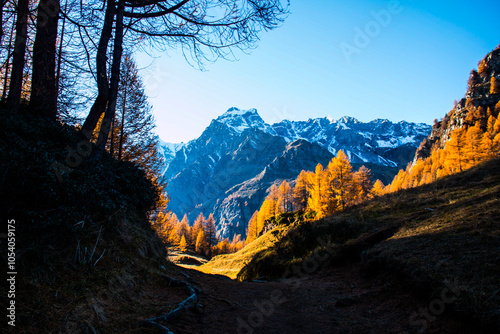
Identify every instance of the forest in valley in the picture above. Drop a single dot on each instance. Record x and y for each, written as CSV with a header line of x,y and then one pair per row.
x,y
201,237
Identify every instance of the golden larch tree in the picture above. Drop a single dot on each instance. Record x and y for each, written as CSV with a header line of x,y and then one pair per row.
x,y
496,144
284,201
253,229
183,244
496,127
398,181
198,226
301,190
491,124
482,67
173,236
455,147
486,151
267,210
362,184
340,179
473,137
183,228
415,174
317,198
210,232
494,85
201,242
378,189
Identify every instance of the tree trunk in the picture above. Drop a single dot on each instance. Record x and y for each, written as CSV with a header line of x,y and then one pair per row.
x,y
122,125
100,102
18,61
112,138
59,52
43,97
2,4
7,64
109,115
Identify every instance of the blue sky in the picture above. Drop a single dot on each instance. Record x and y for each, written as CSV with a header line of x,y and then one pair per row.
x,y
410,62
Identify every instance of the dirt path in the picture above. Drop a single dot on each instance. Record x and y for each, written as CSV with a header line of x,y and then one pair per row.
x,y
337,301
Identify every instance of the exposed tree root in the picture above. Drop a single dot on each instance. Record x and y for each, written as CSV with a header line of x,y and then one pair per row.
x,y
187,303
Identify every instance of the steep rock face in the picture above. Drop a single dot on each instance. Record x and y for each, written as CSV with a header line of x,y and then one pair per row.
x,y
206,168
168,151
241,201
229,168
473,108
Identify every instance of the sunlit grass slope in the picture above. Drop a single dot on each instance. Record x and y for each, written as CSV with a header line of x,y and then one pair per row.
x,y
230,264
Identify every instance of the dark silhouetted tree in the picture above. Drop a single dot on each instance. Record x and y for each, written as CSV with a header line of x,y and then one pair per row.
x,y
43,84
18,55
205,29
132,137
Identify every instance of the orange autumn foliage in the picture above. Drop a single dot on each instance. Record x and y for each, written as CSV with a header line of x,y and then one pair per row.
x,y
322,192
466,147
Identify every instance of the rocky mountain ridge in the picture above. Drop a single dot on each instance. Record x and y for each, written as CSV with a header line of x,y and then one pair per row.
x,y
480,99
363,142
229,168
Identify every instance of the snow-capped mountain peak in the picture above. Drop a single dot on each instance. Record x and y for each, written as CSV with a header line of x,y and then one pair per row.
x,y
240,120
227,170
362,142
169,150
233,111
170,147
347,119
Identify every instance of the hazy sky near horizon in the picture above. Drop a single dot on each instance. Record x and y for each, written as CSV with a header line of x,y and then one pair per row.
x,y
333,58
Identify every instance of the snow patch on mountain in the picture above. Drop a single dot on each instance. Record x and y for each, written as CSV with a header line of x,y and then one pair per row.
x,y
168,151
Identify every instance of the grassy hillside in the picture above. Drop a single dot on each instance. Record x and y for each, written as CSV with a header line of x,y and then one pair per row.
x,y
231,264
425,237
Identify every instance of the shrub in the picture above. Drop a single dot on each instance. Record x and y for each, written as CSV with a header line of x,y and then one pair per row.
x,y
482,67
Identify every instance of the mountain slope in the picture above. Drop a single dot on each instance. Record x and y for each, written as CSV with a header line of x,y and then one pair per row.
x,y
481,101
217,161
362,142
242,200
229,168
431,237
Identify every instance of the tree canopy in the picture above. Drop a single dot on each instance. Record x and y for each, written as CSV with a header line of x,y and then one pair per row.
x,y
58,40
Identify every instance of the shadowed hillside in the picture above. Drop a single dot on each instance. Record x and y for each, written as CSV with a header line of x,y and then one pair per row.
x,y
86,257
424,237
